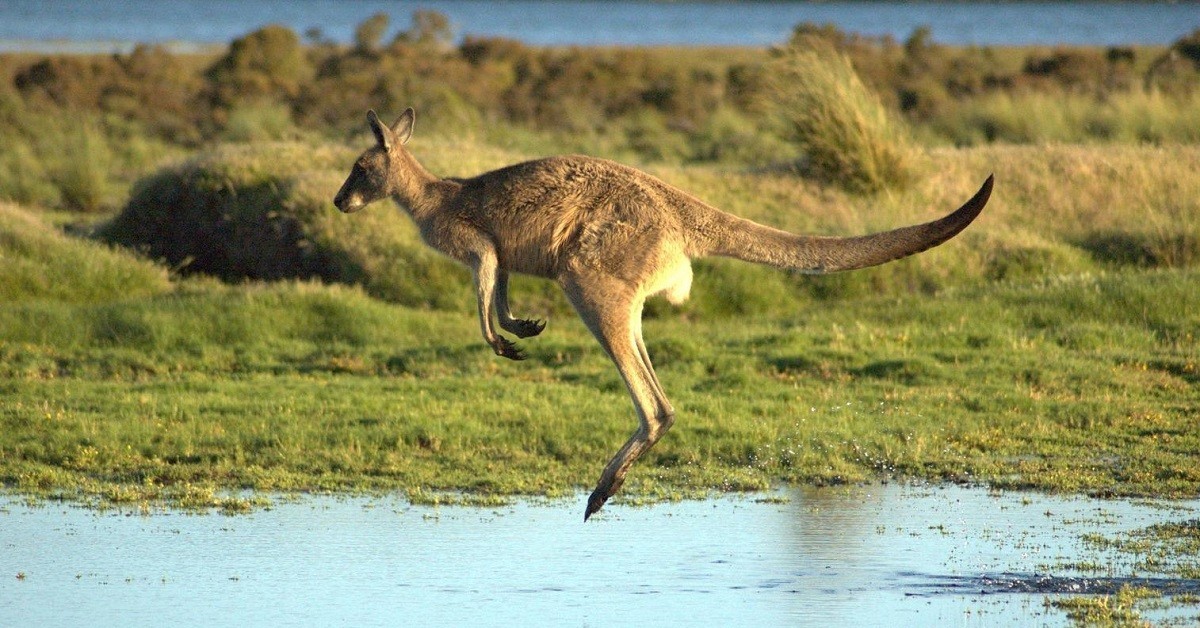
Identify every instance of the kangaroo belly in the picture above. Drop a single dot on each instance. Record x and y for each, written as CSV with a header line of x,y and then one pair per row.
x,y
673,279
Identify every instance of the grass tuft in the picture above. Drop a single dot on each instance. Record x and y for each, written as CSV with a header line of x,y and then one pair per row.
x,y
848,137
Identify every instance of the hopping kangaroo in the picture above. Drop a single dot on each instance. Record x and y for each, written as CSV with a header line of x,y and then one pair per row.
x,y
611,236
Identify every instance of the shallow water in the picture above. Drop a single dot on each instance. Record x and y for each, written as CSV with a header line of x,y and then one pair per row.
x,y
879,555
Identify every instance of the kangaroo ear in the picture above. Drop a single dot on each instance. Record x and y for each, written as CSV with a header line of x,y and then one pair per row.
x,y
403,126
383,135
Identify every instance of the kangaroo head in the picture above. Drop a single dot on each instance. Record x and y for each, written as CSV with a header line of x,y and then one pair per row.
x,y
371,177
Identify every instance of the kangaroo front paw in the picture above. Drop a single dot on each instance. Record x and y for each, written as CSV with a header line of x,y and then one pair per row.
x,y
507,349
524,328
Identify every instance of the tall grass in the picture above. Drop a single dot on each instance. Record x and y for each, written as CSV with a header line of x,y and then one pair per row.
x,y
848,137
1036,117
83,177
38,262
82,161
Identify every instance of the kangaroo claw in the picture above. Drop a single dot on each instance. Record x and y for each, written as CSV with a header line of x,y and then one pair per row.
x,y
505,348
527,328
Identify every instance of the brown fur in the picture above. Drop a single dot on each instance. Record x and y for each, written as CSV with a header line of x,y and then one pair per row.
x,y
611,236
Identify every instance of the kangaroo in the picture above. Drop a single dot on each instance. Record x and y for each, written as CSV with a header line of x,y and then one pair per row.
x,y
611,236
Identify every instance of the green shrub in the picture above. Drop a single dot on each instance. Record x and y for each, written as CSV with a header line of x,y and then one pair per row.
x,y
728,136
847,136
1039,117
1176,248
429,28
259,122
1075,70
149,85
265,211
369,33
76,161
268,63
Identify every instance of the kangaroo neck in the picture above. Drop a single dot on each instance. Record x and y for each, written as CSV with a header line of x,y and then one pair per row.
x,y
415,188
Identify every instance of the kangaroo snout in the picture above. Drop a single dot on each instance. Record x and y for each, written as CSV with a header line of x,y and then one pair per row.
x,y
348,203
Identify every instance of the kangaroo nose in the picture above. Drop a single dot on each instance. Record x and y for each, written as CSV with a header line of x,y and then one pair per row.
x,y
348,203
343,202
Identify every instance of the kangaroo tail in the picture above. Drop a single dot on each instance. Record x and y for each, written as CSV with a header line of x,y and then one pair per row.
x,y
752,242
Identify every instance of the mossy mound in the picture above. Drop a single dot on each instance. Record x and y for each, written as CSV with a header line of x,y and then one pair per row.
x,y
265,212
40,262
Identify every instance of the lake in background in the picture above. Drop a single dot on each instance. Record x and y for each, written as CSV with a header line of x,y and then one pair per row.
x,y
105,26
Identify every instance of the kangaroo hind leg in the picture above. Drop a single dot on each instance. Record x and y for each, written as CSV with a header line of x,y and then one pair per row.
x,y
612,311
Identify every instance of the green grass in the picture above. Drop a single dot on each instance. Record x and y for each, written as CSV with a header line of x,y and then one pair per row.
x,y
1032,118
1052,346
39,262
1118,610
1080,384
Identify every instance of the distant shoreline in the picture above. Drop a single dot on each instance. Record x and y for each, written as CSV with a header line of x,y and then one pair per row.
x,y
91,47
107,47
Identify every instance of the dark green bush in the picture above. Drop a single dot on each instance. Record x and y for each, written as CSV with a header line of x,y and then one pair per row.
x,y
370,32
265,212
149,85
1188,46
268,63
1074,70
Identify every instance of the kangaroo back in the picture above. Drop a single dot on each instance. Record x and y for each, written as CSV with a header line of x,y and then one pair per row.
x,y
730,236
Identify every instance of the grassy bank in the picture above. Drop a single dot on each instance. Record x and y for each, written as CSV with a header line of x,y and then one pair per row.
x,y
264,212
1083,383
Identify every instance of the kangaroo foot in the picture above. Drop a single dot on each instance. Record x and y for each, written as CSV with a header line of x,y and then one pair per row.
x,y
604,489
595,501
524,328
506,349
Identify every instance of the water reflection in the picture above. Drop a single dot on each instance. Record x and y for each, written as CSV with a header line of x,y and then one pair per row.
x,y
881,555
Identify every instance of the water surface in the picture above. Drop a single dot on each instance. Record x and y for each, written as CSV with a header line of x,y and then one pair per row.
x,y
872,556
41,24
